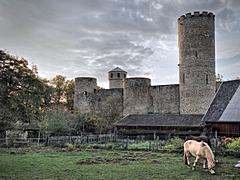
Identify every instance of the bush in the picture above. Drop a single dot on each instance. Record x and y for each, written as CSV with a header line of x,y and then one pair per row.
x,y
70,147
139,146
175,143
234,145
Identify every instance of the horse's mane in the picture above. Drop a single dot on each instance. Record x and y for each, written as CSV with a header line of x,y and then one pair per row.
x,y
209,149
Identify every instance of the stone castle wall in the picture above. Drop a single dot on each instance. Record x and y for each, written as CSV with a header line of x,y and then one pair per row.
x,y
108,102
165,98
196,61
136,95
193,95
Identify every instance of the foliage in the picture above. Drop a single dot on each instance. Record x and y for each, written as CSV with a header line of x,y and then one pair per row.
x,y
23,95
90,122
234,144
63,91
57,120
139,146
58,83
175,143
70,147
69,93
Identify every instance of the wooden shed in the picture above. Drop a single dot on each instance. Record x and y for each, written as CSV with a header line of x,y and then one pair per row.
x,y
162,124
223,115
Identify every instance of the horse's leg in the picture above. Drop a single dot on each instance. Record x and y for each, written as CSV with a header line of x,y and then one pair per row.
x,y
186,158
195,162
204,163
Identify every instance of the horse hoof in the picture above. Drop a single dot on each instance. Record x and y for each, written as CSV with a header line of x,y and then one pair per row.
x,y
212,172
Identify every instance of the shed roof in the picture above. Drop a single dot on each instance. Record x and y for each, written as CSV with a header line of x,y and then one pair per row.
x,y
174,120
225,106
117,69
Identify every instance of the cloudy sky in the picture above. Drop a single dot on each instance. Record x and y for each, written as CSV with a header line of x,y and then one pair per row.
x,y
90,37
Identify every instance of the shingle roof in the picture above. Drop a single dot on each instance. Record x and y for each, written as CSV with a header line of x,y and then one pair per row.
x,y
117,69
225,106
160,120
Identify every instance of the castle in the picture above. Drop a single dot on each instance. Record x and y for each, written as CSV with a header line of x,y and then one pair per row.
x,y
193,94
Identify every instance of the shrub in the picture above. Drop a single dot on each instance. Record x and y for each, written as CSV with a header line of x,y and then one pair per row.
x,y
234,144
70,147
175,143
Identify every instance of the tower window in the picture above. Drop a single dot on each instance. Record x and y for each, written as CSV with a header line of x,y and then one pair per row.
x,y
183,78
111,75
124,75
196,54
207,79
118,75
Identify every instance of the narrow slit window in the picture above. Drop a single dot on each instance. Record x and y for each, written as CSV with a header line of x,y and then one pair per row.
x,y
207,79
118,75
183,78
196,54
111,75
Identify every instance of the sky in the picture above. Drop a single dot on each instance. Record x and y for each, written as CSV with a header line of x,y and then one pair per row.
x,y
88,38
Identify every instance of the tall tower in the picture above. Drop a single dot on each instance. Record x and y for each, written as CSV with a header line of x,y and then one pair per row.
x,y
116,78
196,41
85,87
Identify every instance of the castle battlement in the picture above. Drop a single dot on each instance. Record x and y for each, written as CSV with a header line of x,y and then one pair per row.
x,y
196,14
135,95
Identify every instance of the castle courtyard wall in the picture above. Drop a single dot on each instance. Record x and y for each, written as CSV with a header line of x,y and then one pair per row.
x,y
165,98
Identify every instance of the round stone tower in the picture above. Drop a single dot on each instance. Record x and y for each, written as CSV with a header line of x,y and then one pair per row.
x,y
136,96
116,78
85,87
196,41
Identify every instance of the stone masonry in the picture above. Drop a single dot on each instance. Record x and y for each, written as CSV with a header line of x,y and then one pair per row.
x,y
196,42
197,84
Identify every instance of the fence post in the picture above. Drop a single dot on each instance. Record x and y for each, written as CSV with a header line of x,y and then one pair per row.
x,y
157,142
127,142
216,136
39,137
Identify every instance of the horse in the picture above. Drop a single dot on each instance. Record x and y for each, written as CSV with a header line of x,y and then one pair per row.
x,y
199,150
199,139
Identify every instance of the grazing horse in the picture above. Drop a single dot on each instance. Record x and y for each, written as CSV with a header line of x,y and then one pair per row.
x,y
199,150
199,139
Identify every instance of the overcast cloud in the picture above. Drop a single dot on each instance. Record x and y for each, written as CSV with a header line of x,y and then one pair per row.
x,y
90,37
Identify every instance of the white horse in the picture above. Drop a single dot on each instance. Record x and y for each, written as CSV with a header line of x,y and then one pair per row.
x,y
199,150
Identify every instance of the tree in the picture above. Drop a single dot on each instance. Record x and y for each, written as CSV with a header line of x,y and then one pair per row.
x,y
58,82
69,93
57,121
22,94
64,91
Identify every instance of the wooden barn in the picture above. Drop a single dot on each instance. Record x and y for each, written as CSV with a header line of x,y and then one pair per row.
x,y
161,124
223,115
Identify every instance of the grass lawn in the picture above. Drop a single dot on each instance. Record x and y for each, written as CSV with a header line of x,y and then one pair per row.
x,y
104,164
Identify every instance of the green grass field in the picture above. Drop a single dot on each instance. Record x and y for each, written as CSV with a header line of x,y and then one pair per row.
x,y
103,164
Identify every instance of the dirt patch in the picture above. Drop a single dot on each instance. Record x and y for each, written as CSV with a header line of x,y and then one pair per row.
x,y
122,158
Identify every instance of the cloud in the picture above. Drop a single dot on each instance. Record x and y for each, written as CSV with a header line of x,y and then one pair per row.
x,y
89,38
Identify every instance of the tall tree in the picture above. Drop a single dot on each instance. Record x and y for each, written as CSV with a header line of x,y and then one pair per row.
x,y
58,82
69,93
22,94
